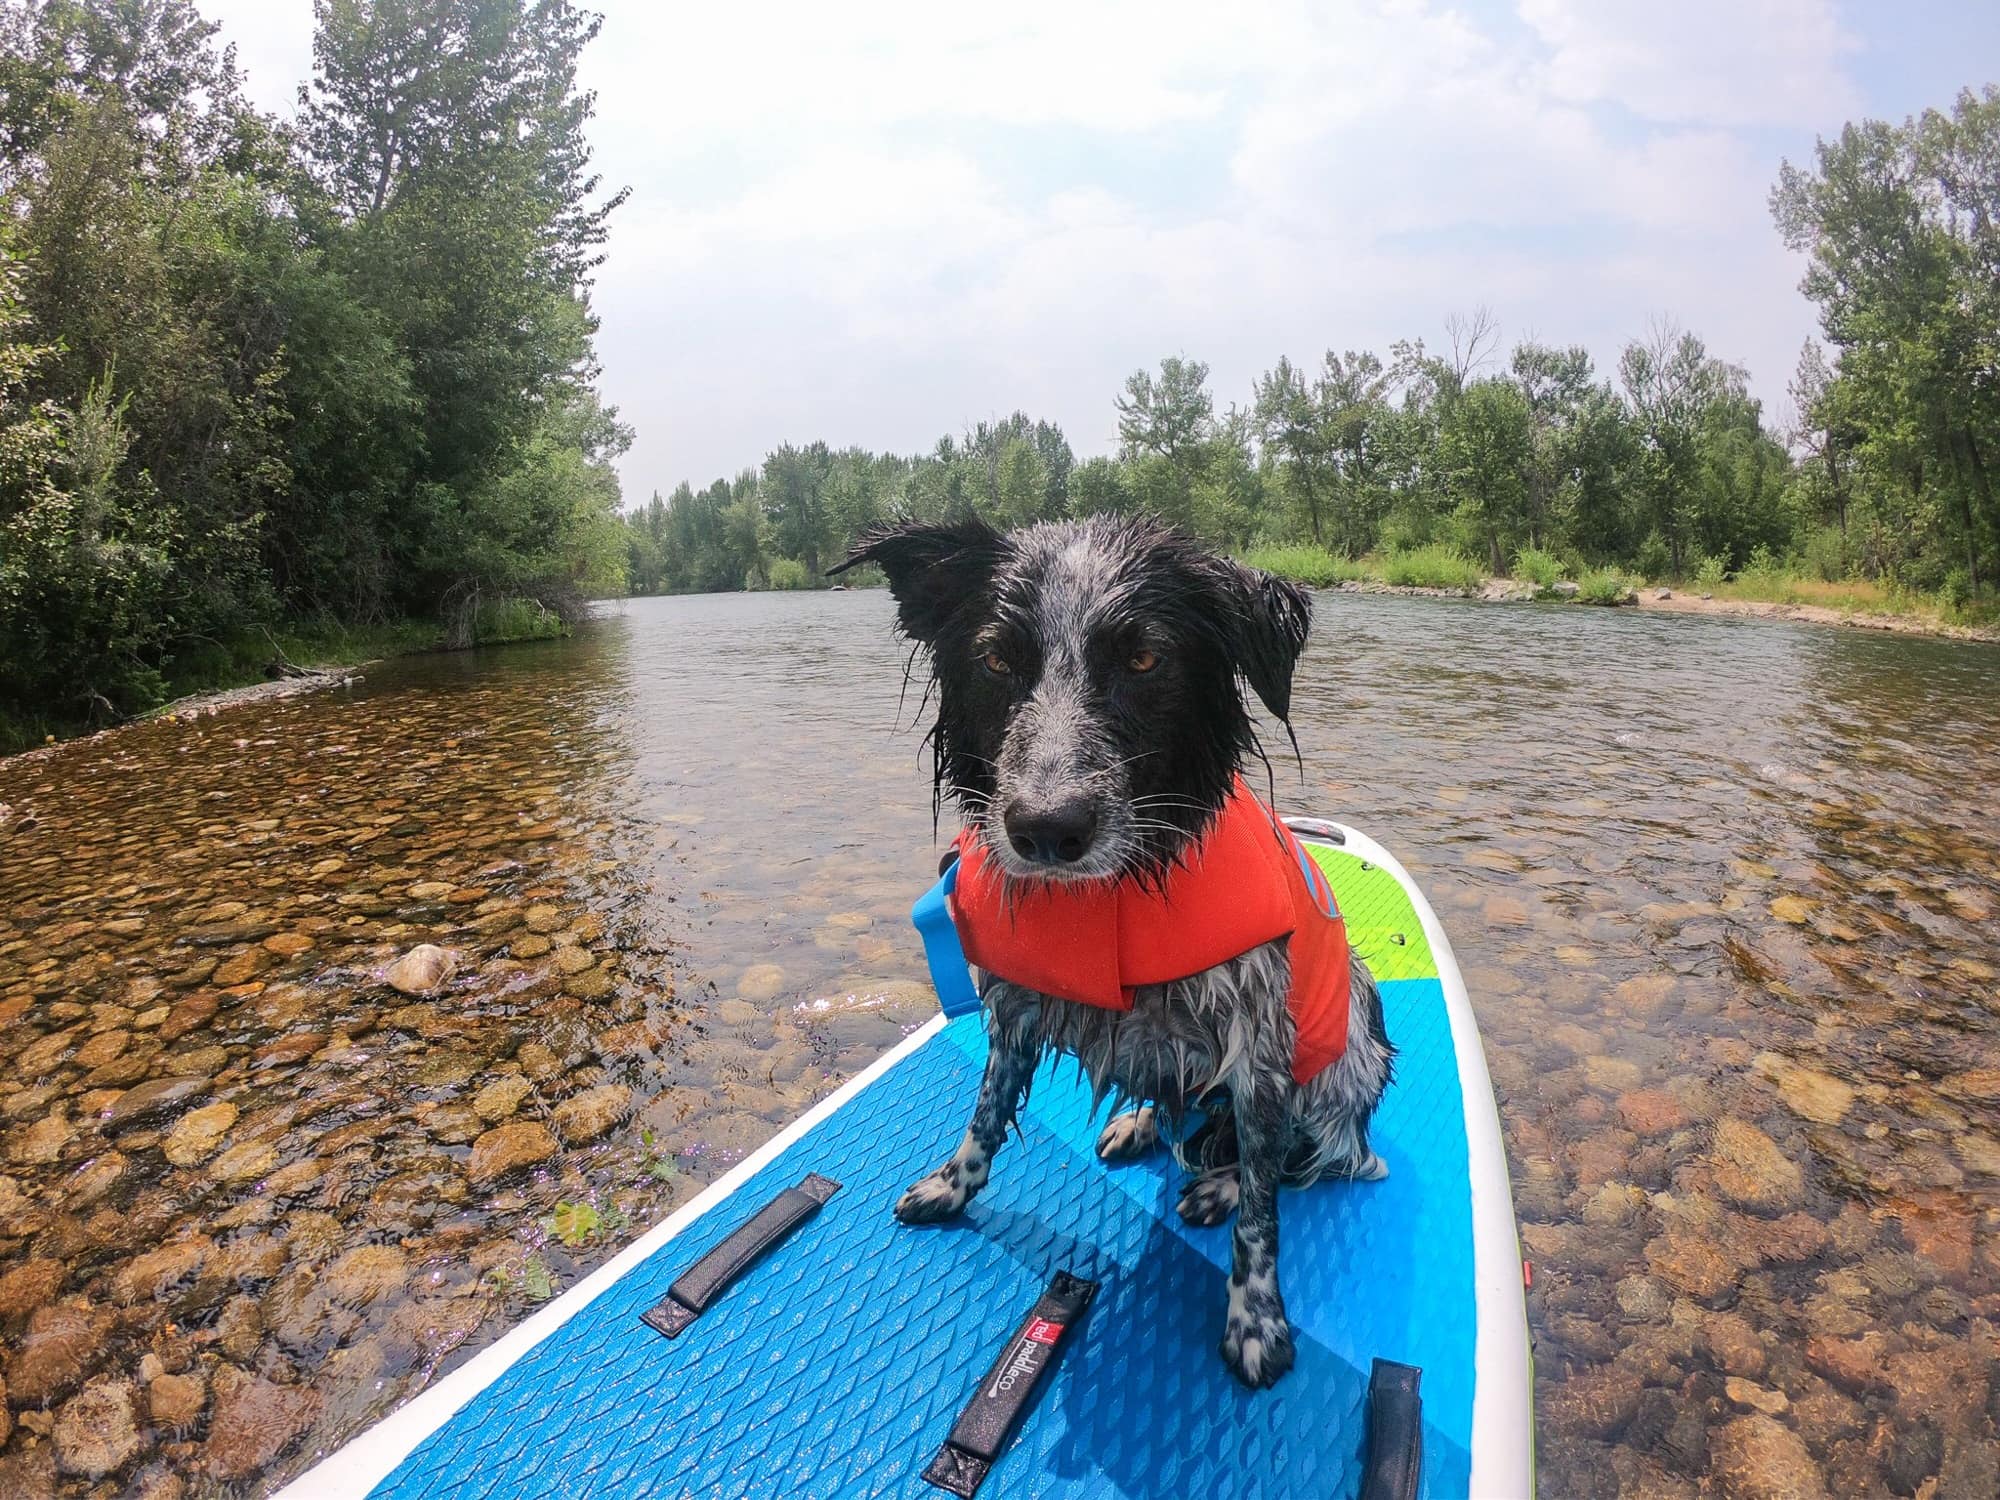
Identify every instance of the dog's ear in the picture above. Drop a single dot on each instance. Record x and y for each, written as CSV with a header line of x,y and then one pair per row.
x,y
932,570
1265,621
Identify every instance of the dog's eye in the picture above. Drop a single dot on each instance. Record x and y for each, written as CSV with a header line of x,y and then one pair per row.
x,y
1143,662
995,663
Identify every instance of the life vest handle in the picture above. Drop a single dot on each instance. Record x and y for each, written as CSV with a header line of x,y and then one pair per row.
x,y
950,973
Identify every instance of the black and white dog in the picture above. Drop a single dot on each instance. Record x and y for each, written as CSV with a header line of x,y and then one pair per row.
x,y
1089,726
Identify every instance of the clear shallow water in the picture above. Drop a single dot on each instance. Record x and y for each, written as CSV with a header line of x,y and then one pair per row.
x,y
1723,893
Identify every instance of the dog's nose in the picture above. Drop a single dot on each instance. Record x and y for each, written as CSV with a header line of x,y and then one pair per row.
x,y
1058,835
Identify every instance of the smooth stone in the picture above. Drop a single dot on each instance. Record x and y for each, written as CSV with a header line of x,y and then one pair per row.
x,y
761,982
366,1275
153,1098
1751,1170
176,1400
61,1346
197,1133
592,1113
29,1285
501,1098
1759,1458
508,1148
421,970
1817,1096
152,1276
1754,1397
254,1421
97,1430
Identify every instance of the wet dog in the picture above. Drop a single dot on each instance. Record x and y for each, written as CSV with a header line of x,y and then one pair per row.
x,y
1090,727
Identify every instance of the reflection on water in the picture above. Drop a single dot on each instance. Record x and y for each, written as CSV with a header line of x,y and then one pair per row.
x,y
1723,892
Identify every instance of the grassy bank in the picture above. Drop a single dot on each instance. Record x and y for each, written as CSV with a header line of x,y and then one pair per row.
x,y
251,656
1540,574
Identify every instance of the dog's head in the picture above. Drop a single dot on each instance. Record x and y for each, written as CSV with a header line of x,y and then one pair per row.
x,y
1089,720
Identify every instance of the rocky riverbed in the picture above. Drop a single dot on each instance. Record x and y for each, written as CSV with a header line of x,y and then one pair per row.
x,y
1725,896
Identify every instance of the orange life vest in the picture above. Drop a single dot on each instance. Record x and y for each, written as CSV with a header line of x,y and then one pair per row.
x,y
1247,882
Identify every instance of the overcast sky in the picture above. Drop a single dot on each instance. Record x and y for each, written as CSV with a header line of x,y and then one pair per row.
x,y
877,223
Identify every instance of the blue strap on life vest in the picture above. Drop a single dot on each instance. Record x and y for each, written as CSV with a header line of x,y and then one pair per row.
x,y
942,949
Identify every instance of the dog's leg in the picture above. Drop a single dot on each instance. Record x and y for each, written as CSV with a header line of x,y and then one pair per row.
x,y
946,1191
1257,1341
1129,1135
1211,1153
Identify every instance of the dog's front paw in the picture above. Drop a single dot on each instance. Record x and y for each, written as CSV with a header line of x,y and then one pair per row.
x,y
1209,1199
942,1195
1129,1135
1257,1343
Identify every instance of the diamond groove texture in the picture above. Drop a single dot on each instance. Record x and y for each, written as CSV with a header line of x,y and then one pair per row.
x,y
837,1366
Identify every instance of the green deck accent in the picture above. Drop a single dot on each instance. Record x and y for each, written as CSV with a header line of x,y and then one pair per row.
x,y
1382,925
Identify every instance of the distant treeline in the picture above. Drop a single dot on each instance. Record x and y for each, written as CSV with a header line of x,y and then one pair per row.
x,y
254,372
1662,466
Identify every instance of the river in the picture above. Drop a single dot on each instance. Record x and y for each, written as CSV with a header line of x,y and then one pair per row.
x,y
1724,893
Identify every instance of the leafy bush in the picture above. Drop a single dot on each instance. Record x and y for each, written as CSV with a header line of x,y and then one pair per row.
x,y
498,621
1433,567
1710,571
1824,555
1604,586
1542,569
1313,566
1654,559
789,573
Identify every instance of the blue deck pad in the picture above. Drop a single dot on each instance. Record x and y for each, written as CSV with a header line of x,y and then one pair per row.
x,y
837,1366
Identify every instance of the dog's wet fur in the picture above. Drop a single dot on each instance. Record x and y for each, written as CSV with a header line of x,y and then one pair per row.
x,y
1089,727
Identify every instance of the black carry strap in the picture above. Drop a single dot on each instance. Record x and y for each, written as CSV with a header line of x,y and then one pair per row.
x,y
705,1280
982,1428
1394,1468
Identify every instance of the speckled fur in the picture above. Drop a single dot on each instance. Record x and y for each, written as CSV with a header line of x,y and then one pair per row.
x,y
1156,758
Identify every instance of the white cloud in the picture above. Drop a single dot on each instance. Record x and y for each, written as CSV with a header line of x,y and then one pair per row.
x,y
877,224
1717,62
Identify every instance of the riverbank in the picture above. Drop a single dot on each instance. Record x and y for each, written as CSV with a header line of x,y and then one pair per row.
x,y
1434,573
253,666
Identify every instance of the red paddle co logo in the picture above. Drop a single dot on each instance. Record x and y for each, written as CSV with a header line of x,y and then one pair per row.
x,y
1029,1355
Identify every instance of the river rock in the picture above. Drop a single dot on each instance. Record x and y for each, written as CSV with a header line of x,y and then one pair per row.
x,y
28,1475
176,1400
421,970
255,1421
761,982
1759,1458
507,1148
62,1345
102,1048
1753,1397
189,1014
240,968
501,1098
1853,1364
197,1133
1819,1097
1751,1170
250,1261
288,1050
42,1142
97,1430
239,1327
588,1115
1733,1344
29,1285
288,944
1597,1402
366,1275
154,1275
244,1162
453,1124
153,1098
1690,1262
93,1180
1651,1111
